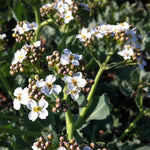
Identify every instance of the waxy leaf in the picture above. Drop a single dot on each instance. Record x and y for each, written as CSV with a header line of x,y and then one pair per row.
x,y
102,109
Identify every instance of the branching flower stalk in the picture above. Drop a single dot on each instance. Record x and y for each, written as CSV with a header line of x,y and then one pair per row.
x,y
82,115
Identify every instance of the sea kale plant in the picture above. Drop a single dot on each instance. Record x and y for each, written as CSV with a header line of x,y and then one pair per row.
x,y
70,72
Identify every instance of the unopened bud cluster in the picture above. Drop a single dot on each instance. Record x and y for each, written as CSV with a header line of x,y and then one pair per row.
x,y
63,70
24,31
60,106
42,144
33,90
73,145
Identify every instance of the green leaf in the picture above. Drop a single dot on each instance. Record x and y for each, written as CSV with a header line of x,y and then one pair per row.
x,y
102,109
146,147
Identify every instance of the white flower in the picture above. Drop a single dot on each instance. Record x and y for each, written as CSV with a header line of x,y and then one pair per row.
x,y
2,36
96,32
87,148
75,82
16,29
67,17
34,44
33,25
24,28
74,94
131,36
141,62
61,148
84,35
69,57
21,97
48,87
37,109
127,53
19,56
59,5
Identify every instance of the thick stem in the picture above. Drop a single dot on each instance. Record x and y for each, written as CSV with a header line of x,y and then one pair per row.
x,y
82,117
132,125
69,119
37,15
19,132
6,85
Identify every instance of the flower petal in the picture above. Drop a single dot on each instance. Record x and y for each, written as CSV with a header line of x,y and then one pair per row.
x,y
43,114
50,78
75,62
64,60
46,90
56,89
43,103
67,79
31,104
40,83
16,104
67,51
32,115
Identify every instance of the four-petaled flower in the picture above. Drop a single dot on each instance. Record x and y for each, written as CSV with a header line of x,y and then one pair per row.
x,y
84,35
127,53
19,56
37,109
67,17
21,97
74,82
48,87
69,57
74,94
141,62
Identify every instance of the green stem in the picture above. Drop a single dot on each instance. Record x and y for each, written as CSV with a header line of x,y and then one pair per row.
x,y
132,125
82,117
37,14
19,132
69,119
44,23
6,85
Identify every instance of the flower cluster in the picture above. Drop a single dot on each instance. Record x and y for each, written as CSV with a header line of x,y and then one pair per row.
x,y
124,34
41,143
24,31
27,55
65,9
69,67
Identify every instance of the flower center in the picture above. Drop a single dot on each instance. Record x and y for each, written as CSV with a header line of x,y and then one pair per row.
x,y
74,81
49,85
37,109
83,36
19,96
67,17
20,57
71,57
